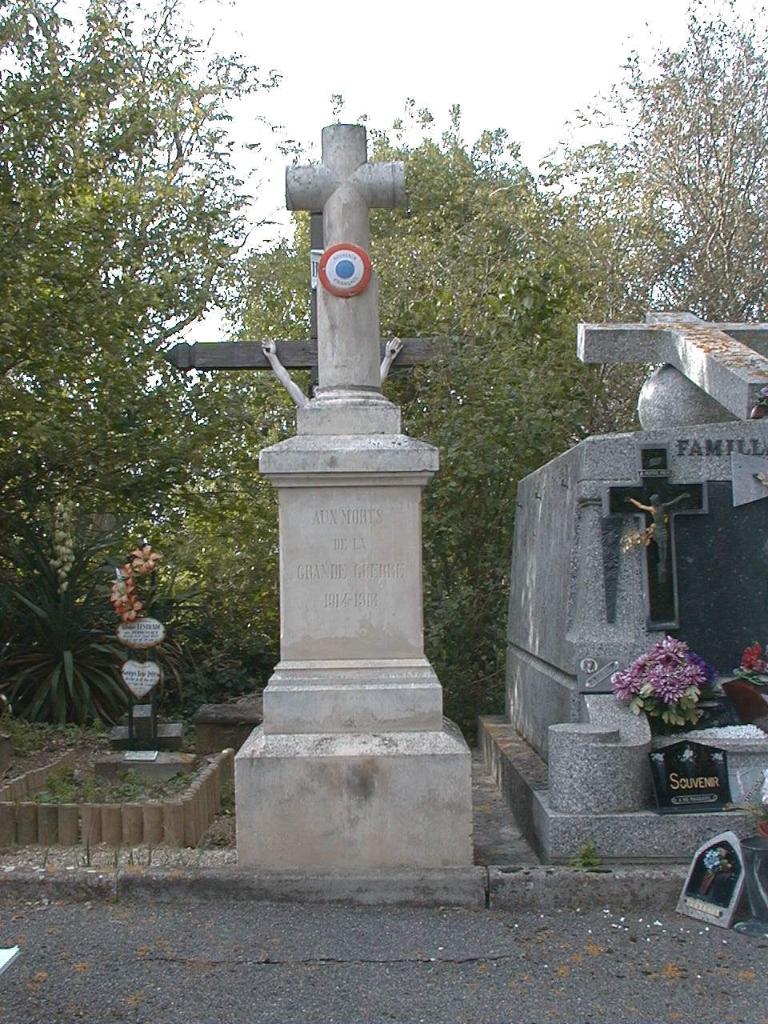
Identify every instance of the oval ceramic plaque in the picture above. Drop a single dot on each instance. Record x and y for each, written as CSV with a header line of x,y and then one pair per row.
x,y
141,633
141,676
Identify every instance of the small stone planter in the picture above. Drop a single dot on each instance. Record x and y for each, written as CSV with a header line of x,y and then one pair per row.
x,y
176,822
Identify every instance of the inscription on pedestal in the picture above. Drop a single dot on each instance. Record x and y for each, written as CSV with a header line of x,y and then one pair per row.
x,y
354,566
354,571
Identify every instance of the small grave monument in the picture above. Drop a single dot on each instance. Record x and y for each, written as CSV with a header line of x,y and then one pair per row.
x,y
147,744
715,881
626,538
690,777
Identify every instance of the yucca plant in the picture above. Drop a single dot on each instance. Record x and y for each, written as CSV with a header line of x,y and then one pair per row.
x,y
60,660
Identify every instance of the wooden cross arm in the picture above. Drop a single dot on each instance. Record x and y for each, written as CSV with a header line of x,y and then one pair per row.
x,y
295,355
728,370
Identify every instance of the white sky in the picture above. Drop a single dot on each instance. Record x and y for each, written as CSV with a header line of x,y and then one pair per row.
x,y
523,65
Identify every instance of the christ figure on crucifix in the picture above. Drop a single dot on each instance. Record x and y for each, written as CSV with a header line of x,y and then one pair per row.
x,y
393,349
658,530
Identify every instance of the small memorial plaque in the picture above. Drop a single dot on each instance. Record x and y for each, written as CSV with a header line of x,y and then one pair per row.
x,y
140,755
595,674
141,676
690,777
141,633
715,881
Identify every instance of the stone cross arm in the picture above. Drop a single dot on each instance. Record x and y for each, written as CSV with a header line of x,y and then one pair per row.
x,y
730,370
345,186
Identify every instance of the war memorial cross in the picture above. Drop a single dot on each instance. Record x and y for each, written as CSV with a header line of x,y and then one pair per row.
x,y
348,353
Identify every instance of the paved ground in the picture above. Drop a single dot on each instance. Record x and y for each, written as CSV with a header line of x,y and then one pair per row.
x,y
218,960
262,963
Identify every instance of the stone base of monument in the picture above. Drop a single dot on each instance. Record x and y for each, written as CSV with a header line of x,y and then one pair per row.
x,y
618,835
357,801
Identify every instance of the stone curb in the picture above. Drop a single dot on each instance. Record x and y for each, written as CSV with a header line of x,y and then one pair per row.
x,y
561,888
496,887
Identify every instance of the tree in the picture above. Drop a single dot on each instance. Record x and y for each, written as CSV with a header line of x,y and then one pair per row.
x,y
121,214
679,205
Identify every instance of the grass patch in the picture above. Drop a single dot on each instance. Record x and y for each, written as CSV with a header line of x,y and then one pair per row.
x,y
30,737
68,786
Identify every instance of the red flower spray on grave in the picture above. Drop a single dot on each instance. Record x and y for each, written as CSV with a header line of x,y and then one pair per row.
x,y
124,597
753,662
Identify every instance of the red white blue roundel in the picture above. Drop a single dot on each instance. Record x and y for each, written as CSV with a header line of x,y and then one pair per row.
x,y
345,270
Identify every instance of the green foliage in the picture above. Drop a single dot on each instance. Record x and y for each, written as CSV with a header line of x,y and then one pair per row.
x,y
677,208
59,658
587,858
121,216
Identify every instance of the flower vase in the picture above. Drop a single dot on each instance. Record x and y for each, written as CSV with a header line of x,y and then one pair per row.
x,y
754,851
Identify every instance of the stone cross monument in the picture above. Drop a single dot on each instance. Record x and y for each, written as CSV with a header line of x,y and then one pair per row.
x,y
354,766
345,187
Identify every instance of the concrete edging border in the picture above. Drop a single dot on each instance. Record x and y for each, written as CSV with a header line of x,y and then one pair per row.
x,y
521,890
178,822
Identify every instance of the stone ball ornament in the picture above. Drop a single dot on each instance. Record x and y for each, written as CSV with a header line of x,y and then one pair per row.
x,y
345,270
669,400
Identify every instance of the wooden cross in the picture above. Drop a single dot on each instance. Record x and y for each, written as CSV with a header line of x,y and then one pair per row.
x,y
294,355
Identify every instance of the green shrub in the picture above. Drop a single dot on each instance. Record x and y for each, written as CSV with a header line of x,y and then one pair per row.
x,y
59,660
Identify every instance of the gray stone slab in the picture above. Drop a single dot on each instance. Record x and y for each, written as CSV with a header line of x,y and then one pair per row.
x,y
566,889
218,726
163,767
337,455
639,837
538,695
591,771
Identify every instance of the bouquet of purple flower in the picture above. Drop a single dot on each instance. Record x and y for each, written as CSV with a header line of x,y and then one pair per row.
x,y
665,682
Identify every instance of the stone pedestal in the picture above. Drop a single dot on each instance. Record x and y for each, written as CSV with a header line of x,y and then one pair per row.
x,y
354,800
354,766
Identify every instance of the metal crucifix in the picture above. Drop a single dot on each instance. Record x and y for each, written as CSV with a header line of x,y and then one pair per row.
x,y
660,502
